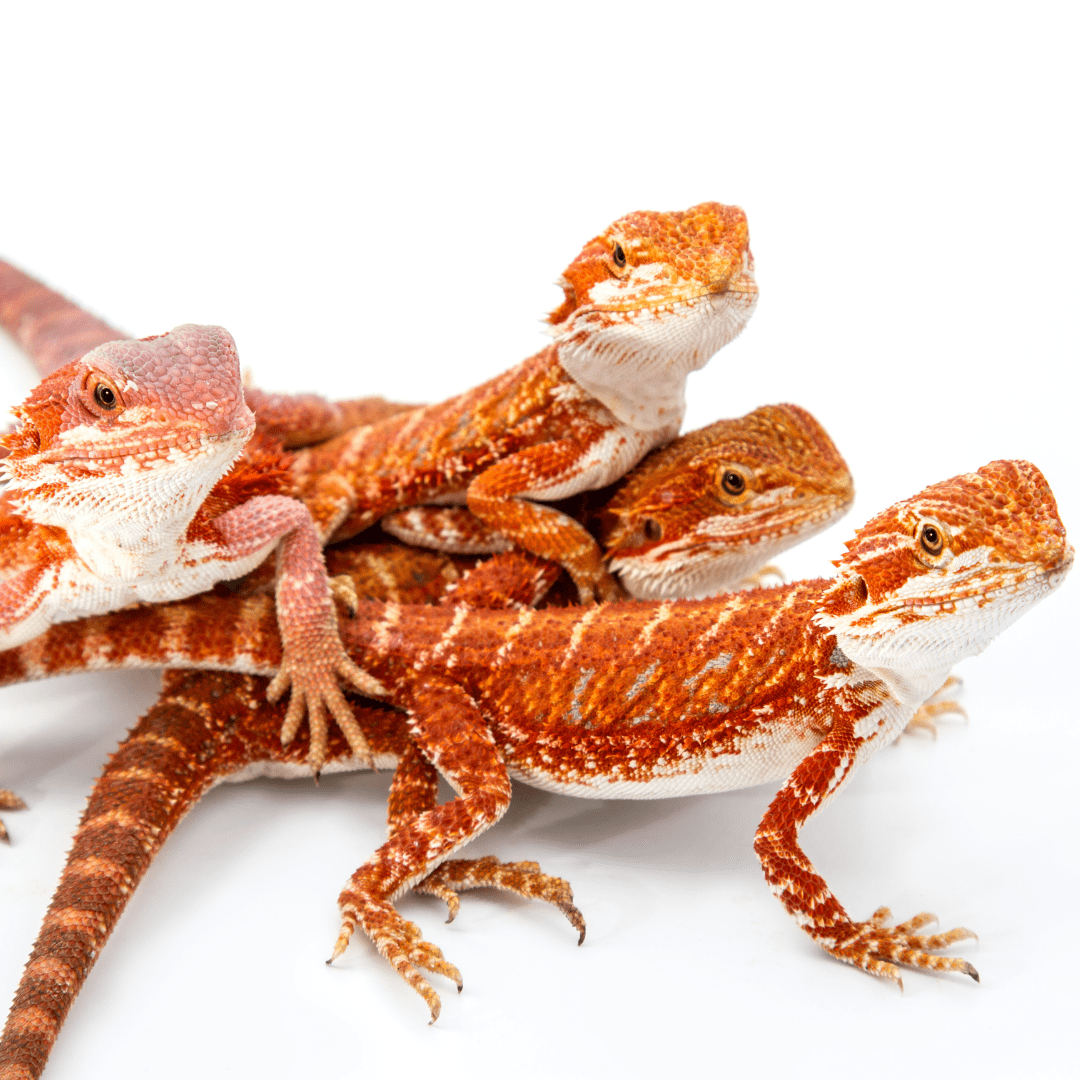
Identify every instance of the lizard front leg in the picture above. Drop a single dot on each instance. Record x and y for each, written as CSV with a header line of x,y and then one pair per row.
x,y
312,655
870,944
499,496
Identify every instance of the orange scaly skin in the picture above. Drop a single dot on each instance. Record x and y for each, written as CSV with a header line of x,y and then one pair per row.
x,y
701,515
646,302
117,495
804,681
53,331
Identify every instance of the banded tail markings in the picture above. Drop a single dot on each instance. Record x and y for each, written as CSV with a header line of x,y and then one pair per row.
x,y
148,785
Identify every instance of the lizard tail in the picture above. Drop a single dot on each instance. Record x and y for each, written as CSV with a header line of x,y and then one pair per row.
x,y
51,329
153,779
187,741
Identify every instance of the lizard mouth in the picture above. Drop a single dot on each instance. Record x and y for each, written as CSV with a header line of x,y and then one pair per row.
x,y
745,283
670,301
149,450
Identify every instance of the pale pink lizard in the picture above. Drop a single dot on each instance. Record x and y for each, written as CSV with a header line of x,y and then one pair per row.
x,y
54,331
116,496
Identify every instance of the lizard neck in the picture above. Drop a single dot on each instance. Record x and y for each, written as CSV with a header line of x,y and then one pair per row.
x,y
636,362
909,688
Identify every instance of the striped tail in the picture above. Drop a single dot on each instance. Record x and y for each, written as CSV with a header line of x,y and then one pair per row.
x,y
51,329
206,726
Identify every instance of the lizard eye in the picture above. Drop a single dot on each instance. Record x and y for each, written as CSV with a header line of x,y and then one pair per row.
x,y
105,396
734,484
99,394
619,256
931,538
653,530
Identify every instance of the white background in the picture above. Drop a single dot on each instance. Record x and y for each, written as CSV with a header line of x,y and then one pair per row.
x,y
377,201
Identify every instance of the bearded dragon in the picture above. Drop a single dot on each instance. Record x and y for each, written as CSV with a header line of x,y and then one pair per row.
x,y
701,515
117,494
645,303
794,481
53,331
803,681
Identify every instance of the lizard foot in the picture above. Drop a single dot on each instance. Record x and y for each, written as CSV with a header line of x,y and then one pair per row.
x,y
599,589
934,706
878,948
523,878
315,688
762,576
9,801
398,941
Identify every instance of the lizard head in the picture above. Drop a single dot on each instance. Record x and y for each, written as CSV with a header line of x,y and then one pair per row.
x,y
711,508
648,301
934,578
135,405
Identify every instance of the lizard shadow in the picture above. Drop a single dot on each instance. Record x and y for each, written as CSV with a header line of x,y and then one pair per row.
x,y
696,833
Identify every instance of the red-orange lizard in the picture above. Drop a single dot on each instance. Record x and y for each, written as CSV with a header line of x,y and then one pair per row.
x,y
117,494
671,521
648,301
702,515
804,681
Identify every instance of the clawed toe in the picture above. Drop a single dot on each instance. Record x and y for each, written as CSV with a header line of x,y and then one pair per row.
x,y
9,801
925,718
401,943
524,879
878,948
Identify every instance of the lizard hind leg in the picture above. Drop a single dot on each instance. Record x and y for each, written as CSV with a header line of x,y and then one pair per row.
x,y
446,727
413,791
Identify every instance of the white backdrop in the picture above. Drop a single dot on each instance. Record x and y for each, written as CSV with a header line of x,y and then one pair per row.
x,y
377,200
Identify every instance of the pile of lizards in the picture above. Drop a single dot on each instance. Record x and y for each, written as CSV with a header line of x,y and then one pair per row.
x,y
467,572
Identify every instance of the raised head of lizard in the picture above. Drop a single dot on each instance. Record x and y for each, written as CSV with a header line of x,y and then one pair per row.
x,y
576,416
654,290
713,507
120,448
934,578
